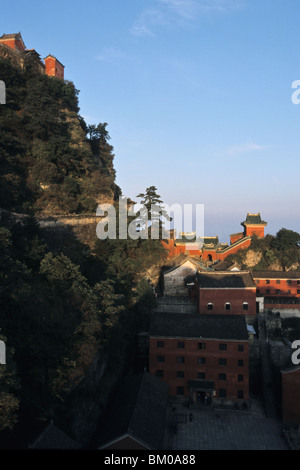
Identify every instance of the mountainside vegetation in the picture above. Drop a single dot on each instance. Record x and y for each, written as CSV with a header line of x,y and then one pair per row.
x,y
51,161
275,253
69,315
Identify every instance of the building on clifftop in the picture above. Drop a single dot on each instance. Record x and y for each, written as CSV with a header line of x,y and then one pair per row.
x,y
254,225
12,47
54,68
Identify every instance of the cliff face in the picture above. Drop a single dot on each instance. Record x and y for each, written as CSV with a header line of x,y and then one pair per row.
x,y
52,163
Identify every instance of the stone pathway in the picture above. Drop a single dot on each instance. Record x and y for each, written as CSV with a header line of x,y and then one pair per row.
x,y
226,430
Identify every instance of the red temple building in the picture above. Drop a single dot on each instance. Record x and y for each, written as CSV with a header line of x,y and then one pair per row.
x,y
53,67
210,249
280,289
14,42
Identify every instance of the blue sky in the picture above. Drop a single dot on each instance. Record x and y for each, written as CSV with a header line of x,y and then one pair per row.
x,y
196,94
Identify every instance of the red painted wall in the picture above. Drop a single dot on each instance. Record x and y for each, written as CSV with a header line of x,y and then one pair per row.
x,y
235,237
212,354
290,397
13,44
234,249
54,68
258,230
273,286
236,297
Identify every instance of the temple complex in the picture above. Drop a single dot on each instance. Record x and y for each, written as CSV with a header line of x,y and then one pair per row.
x,y
12,47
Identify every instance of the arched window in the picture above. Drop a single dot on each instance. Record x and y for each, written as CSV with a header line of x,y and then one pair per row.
x,y
210,306
245,306
227,306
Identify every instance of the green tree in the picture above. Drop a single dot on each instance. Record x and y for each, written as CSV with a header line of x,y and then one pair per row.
x,y
286,239
151,219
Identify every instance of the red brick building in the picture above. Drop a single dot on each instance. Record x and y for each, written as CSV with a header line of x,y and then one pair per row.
x,y
280,289
254,225
210,249
14,41
201,357
290,395
53,67
228,292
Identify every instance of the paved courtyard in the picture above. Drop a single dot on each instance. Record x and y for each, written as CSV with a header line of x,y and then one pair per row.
x,y
216,429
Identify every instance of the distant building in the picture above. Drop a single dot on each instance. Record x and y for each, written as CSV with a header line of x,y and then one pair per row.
x,y
280,290
54,68
203,358
254,225
210,249
14,41
12,47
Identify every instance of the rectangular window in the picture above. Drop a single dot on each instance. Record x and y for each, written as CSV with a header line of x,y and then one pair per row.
x,y
180,345
222,393
257,281
210,306
180,391
277,291
240,362
227,306
222,362
278,281
180,359
222,376
289,282
298,282
245,306
240,394
160,358
201,345
159,373
240,378
267,291
289,291
180,374
160,344
201,375
223,347
298,291
240,347
267,281
201,360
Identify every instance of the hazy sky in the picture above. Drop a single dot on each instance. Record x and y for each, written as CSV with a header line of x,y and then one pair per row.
x,y
196,94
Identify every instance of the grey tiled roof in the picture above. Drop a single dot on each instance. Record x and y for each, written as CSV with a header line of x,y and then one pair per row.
x,y
139,410
254,219
209,326
276,274
225,279
54,438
